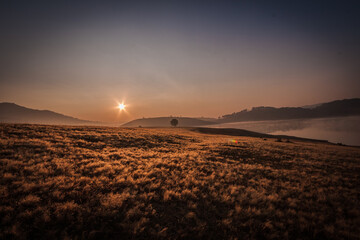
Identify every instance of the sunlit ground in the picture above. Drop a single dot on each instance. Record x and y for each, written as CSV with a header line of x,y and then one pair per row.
x,y
98,182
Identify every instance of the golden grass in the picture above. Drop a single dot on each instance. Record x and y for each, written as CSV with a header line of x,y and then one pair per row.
x,y
116,183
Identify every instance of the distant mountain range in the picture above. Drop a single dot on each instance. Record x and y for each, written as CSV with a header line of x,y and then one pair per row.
x,y
12,113
346,107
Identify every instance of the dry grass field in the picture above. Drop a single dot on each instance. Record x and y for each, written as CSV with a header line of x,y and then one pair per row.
x,y
115,183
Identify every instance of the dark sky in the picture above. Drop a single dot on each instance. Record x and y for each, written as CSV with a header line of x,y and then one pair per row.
x,y
189,58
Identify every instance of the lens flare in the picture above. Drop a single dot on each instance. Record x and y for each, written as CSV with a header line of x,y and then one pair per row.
x,y
121,106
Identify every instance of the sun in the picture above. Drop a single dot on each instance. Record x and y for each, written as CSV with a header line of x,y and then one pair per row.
x,y
121,106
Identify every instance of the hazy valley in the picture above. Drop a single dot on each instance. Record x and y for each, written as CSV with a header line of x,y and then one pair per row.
x,y
335,121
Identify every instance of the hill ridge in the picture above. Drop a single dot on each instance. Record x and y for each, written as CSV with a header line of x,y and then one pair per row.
x,y
337,108
13,113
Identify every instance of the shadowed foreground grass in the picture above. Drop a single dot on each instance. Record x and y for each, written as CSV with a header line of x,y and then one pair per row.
x,y
94,182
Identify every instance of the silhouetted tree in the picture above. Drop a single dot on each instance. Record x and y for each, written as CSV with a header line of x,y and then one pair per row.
x,y
174,122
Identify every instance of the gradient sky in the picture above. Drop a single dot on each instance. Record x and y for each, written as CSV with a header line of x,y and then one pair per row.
x,y
188,58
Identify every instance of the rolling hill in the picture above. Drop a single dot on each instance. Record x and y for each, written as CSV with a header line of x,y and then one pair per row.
x,y
13,113
165,122
346,107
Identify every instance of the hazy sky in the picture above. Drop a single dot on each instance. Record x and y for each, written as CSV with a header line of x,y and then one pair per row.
x,y
189,58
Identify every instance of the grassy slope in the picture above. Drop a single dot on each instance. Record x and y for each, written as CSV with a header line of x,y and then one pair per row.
x,y
92,182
